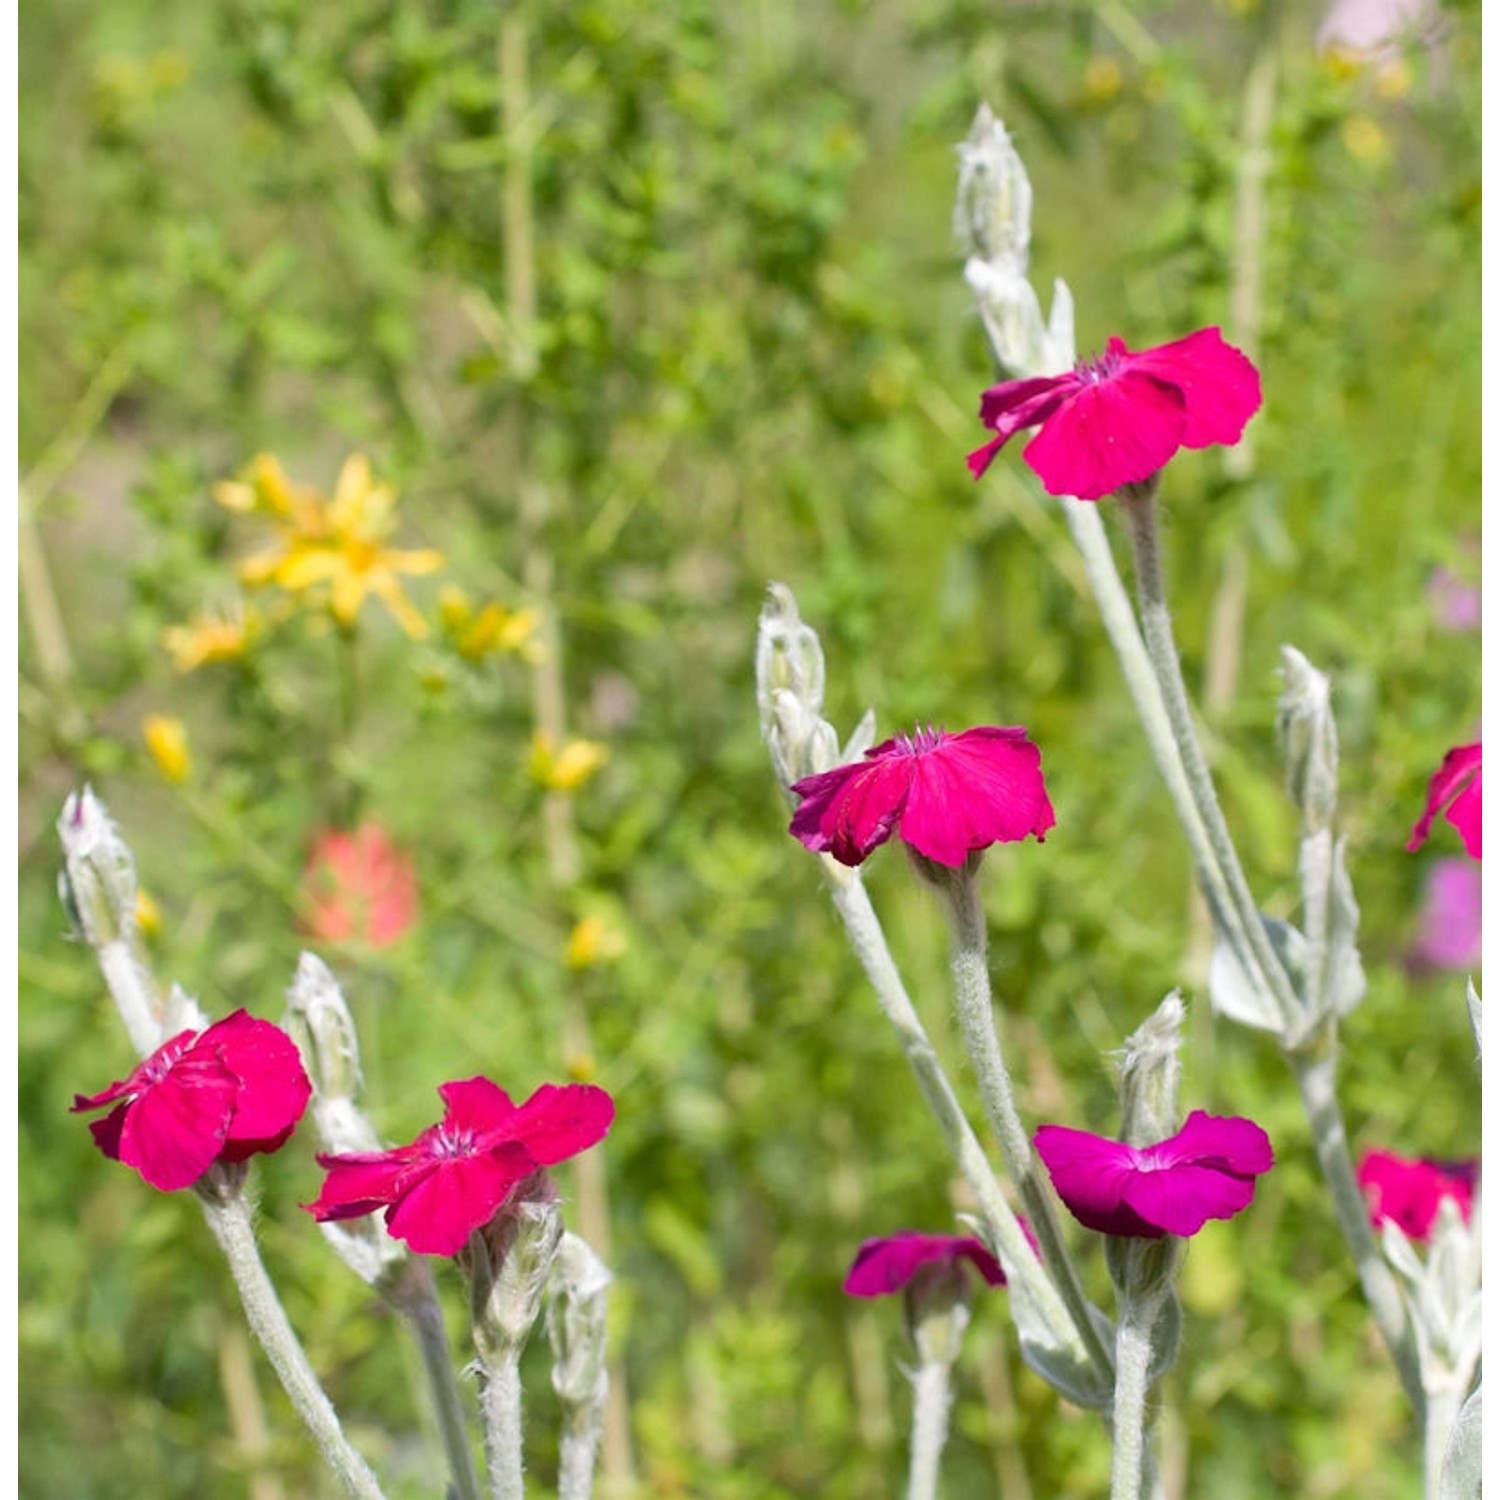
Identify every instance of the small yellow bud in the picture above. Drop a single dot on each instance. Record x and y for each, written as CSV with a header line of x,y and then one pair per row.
x,y
567,769
147,913
594,942
167,744
1102,79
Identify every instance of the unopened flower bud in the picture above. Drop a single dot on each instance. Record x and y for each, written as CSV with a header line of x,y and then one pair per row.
x,y
936,1303
98,884
509,1261
577,1303
1150,1072
318,1019
1305,723
992,212
789,680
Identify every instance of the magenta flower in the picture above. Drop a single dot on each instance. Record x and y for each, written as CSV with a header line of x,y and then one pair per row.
x,y
1409,1193
456,1175
883,1266
1206,1171
1456,606
203,1097
1448,927
1455,792
945,794
1117,418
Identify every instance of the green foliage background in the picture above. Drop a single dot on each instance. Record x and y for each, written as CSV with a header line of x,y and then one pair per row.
x,y
255,225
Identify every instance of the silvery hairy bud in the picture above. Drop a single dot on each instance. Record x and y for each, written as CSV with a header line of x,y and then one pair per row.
x,y
578,1299
509,1261
1305,725
789,678
318,1020
992,220
1150,1072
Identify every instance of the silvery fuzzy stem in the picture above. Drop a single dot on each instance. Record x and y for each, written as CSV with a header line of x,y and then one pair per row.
x,y
1039,1308
1244,926
228,1216
932,1401
976,1019
1315,1078
1313,1059
1131,1465
577,1310
500,1404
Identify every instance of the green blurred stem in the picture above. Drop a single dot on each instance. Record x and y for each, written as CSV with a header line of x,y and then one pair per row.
x,y
421,1308
976,1019
1071,1331
1131,1462
500,1404
932,1400
229,1218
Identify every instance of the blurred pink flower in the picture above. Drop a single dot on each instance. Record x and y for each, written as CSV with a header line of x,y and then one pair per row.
x,y
1374,29
457,1174
1117,418
945,794
886,1265
1408,1193
1206,1171
1448,927
1456,605
218,1095
359,886
1455,792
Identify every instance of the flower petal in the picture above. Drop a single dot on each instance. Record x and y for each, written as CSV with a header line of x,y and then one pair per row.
x,y
1090,1174
174,1131
477,1105
851,810
447,1204
1181,1199
974,789
1227,1141
1219,385
274,1086
558,1122
359,1182
1448,785
882,1266
1113,432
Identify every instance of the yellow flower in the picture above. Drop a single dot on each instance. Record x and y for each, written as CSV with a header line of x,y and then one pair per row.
x,y
166,742
333,547
147,913
1365,141
593,942
565,770
1102,79
493,630
211,638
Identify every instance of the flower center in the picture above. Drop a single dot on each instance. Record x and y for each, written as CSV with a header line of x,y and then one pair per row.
x,y
1097,368
454,1141
920,741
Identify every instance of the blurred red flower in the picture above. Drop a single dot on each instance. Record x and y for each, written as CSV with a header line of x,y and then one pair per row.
x,y
1408,1193
1455,792
359,887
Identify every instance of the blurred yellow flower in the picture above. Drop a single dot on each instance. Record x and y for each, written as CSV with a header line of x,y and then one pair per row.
x,y
147,913
592,942
565,770
167,744
493,630
1102,79
332,547
1365,141
210,638
582,1067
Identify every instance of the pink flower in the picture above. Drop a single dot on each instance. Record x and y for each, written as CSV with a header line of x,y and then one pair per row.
x,y
1408,1193
1456,606
1117,418
945,794
203,1097
359,886
456,1175
1448,935
1206,1171
1455,792
882,1266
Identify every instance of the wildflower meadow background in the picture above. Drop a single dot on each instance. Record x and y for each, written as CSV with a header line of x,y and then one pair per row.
x,y
416,401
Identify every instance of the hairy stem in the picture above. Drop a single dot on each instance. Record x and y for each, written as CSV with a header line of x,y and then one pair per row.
x,y
932,1400
420,1306
229,1218
1131,1465
500,1403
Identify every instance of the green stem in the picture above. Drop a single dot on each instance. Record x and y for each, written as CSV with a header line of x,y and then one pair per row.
x,y
1066,1330
976,1018
420,1306
229,1219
